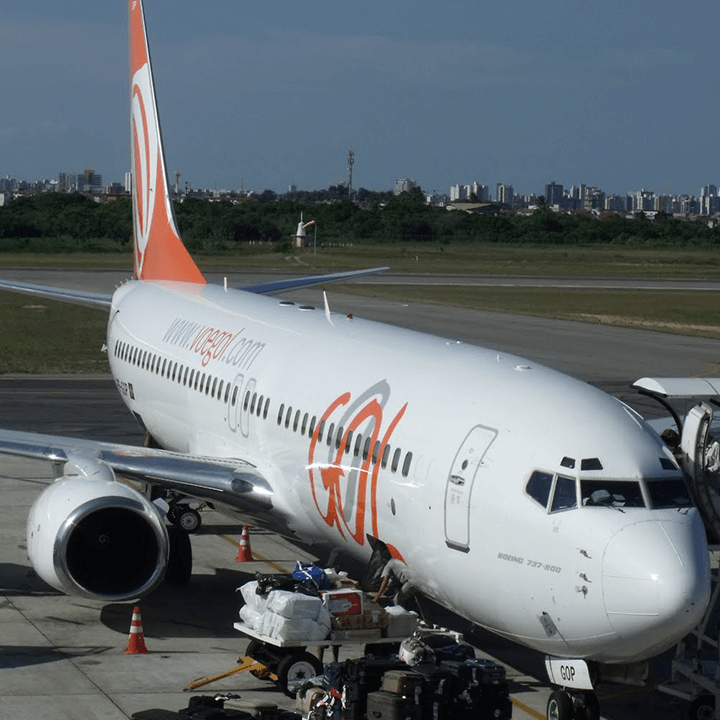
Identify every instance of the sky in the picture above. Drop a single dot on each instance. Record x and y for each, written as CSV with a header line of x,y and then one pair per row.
x,y
621,95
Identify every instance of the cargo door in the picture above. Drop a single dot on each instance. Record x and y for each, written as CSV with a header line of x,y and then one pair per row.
x,y
460,482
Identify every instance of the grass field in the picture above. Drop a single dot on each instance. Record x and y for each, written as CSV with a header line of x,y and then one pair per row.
x,y
47,337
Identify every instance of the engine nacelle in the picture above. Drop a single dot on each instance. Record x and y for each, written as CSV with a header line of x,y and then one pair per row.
x,y
89,534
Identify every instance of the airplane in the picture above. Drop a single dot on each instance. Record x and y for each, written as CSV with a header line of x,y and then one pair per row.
x,y
527,502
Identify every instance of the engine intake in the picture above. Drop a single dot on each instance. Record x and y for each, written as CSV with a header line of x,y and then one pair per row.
x,y
93,536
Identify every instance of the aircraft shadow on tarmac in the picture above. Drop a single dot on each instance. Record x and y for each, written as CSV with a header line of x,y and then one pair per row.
x,y
22,580
205,608
12,656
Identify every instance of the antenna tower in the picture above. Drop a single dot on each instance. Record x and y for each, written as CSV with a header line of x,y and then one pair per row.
x,y
350,163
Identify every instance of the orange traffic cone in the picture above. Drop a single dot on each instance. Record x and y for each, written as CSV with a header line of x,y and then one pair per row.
x,y
136,641
244,552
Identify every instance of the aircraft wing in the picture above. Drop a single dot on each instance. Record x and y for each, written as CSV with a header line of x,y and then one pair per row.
x,y
234,483
75,297
103,301
289,284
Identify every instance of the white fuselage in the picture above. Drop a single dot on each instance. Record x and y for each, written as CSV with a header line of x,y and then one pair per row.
x,y
445,438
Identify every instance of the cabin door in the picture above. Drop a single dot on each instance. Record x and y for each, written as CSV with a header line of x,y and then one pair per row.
x,y
460,482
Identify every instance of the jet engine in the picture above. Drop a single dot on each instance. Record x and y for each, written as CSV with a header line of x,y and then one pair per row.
x,y
89,534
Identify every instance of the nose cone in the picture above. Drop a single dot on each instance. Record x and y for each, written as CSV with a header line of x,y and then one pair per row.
x,y
656,582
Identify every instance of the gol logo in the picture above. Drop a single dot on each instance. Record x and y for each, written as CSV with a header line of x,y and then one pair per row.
x,y
344,484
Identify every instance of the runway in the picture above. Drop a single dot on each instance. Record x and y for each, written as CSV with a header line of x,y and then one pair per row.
x,y
63,658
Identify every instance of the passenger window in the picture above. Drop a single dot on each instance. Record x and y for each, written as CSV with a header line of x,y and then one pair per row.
x,y
538,487
338,437
321,430
304,424
565,497
311,429
376,452
366,447
281,410
259,405
215,387
358,443
267,407
385,456
288,416
247,400
235,394
252,404
348,441
296,421
331,432
220,389
395,460
406,465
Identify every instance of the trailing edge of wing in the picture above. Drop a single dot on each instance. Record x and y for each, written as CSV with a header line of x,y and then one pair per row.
x,y
292,283
234,483
76,297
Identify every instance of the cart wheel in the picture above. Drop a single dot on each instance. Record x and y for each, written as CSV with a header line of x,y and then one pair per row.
x,y
296,669
702,708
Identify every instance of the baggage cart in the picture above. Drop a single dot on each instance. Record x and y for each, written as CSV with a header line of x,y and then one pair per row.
x,y
288,663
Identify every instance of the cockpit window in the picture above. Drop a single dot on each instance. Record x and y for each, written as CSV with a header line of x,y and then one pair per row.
x,y
669,493
538,487
564,497
611,493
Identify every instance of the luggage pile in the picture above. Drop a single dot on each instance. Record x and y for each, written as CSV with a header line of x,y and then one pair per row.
x,y
449,683
318,604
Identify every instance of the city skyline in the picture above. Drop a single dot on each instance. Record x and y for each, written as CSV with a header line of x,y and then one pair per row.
x,y
619,97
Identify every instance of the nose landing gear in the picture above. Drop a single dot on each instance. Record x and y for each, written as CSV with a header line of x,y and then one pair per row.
x,y
565,705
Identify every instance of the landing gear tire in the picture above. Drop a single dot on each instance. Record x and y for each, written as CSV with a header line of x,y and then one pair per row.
x,y
590,708
560,706
702,708
186,518
296,669
179,567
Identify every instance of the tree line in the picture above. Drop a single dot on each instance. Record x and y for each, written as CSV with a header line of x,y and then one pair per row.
x,y
56,222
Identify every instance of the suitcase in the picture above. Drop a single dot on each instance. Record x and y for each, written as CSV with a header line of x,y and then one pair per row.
x,y
382,705
408,684
482,672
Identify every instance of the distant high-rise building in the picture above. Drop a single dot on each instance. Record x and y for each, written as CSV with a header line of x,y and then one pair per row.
x,y
404,185
554,194
66,183
90,181
128,182
505,194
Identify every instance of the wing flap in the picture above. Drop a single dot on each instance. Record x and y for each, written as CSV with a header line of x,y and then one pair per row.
x,y
234,483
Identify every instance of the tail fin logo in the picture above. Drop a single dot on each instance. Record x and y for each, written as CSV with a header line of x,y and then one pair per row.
x,y
159,252
146,162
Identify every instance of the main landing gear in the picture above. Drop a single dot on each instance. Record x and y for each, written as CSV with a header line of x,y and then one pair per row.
x,y
573,705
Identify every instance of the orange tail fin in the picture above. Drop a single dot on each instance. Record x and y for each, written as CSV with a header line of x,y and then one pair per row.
x,y
159,252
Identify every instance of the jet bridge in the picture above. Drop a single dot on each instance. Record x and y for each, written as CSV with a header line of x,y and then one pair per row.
x,y
695,673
